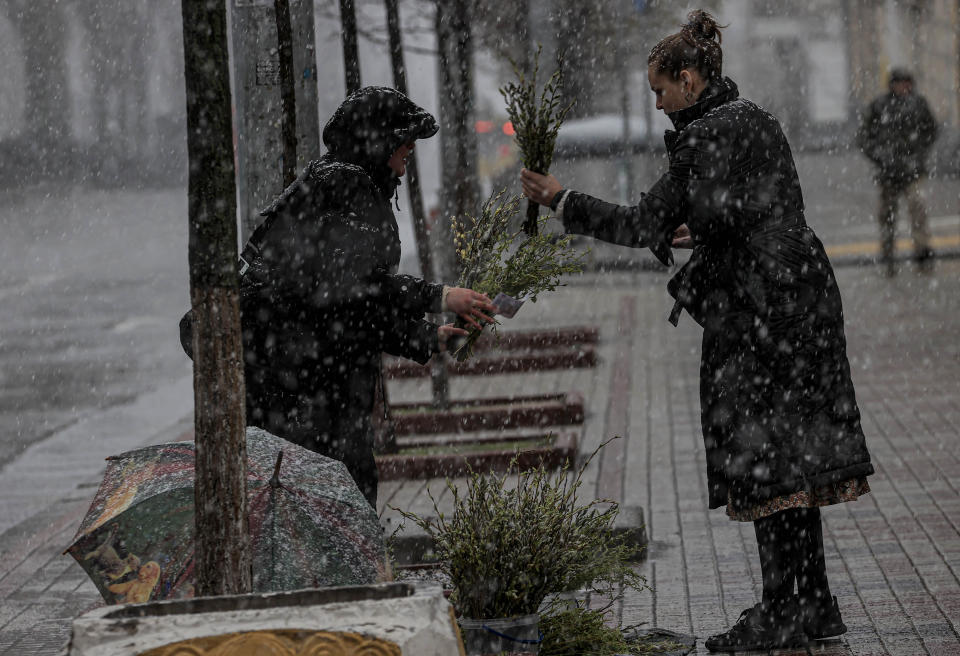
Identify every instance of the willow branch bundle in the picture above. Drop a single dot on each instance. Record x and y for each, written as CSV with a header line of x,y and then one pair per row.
x,y
491,262
536,122
507,547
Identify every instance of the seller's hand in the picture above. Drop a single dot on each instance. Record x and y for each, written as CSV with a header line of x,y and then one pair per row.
x,y
444,333
682,237
539,188
470,305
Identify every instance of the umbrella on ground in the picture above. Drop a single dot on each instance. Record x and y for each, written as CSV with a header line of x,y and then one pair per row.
x,y
309,523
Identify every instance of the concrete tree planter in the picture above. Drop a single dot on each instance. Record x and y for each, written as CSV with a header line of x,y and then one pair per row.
x,y
375,620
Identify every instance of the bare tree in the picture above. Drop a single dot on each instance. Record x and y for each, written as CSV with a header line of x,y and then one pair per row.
x,y
222,538
351,56
597,39
458,141
438,366
288,96
413,170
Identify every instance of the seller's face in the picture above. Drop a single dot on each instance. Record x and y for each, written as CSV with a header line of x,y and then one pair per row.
x,y
398,161
671,93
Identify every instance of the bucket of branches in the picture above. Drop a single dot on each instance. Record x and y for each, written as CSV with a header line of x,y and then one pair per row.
x,y
536,120
495,259
515,540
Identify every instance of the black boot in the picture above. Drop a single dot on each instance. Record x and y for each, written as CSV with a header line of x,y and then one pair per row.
x,y
776,621
819,609
822,620
924,260
762,627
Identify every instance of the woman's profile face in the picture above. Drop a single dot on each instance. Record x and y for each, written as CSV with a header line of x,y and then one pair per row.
x,y
671,93
398,161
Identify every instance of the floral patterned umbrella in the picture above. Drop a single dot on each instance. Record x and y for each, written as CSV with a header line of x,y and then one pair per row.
x,y
310,525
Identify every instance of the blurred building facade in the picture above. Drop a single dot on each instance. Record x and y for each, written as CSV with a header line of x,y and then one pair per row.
x,y
97,84
816,64
91,90
921,35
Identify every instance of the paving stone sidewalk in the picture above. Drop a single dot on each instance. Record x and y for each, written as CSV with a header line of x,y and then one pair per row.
x,y
893,557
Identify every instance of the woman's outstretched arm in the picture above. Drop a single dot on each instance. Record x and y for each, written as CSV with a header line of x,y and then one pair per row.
x,y
648,223
696,164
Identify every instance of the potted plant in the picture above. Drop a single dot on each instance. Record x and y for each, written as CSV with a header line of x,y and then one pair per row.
x,y
507,549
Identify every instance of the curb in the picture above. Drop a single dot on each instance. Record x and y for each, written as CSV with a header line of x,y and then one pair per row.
x,y
838,261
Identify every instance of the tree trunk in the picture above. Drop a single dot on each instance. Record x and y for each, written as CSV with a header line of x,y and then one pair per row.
x,y
438,365
458,149
384,430
414,191
288,97
442,233
467,194
223,561
458,143
351,58
413,171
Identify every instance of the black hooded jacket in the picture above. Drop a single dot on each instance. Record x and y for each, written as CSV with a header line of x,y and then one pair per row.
x,y
324,299
896,134
778,409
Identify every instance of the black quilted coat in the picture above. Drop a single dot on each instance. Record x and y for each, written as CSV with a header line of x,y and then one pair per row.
x,y
324,300
778,409
896,134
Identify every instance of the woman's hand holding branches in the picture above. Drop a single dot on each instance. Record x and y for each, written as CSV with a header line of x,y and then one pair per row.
x,y
539,188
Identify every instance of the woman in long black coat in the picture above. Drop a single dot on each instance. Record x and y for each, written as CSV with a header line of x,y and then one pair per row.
x,y
780,420
322,299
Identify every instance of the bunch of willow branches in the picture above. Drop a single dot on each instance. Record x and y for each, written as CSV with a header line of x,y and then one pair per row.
x,y
581,631
490,260
536,122
507,547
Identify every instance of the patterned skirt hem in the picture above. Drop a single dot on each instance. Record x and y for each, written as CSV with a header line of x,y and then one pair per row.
x,y
825,495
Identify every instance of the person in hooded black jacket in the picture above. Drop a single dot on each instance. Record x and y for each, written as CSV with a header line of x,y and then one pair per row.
x,y
322,299
780,421
896,134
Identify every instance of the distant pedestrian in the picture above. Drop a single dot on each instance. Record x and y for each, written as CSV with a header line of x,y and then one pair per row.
x,y
896,134
780,421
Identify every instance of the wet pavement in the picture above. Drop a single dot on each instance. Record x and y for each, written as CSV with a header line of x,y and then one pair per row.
x,y
94,284
89,282
893,557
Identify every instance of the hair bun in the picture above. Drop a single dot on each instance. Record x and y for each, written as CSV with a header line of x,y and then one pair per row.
x,y
696,45
702,26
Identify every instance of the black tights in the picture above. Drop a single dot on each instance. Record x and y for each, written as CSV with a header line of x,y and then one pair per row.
x,y
791,552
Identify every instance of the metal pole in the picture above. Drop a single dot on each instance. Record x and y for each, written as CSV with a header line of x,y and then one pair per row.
x,y
256,87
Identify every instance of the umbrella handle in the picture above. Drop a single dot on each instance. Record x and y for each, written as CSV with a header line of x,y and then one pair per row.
x,y
275,479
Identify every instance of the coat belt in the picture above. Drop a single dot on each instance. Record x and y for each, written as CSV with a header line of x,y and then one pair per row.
x,y
762,229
